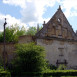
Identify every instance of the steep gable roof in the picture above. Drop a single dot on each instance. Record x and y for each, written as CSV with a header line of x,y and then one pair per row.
x,y
58,26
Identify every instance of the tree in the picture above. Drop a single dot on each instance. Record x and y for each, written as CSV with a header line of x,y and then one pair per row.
x,y
12,33
29,58
32,31
21,31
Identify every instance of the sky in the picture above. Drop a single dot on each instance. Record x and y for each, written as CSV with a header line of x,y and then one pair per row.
x,y
29,13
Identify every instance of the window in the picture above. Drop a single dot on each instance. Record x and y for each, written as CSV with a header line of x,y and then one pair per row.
x,y
59,20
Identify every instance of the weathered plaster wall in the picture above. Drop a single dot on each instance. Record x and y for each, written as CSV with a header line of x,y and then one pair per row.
x,y
9,48
55,48
25,39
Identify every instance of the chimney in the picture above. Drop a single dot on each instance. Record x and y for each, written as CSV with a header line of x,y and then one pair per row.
x,y
59,7
44,24
37,27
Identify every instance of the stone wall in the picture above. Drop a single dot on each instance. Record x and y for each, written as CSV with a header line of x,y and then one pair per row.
x,y
9,48
26,39
56,49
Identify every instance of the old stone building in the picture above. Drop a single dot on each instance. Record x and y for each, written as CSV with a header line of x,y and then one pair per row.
x,y
58,39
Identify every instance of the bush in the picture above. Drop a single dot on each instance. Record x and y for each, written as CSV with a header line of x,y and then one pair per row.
x,y
29,58
52,67
52,73
4,73
58,73
61,67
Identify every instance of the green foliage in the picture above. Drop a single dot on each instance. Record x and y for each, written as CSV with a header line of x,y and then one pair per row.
x,y
59,73
32,31
1,37
21,31
61,67
29,58
4,73
12,33
52,73
52,67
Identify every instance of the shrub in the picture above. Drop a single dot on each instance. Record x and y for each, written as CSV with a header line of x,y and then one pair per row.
x,y
29,58
58,73
4,73
52,67
61,67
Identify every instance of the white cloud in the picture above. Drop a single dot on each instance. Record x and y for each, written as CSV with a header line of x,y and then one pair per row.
x,y
35,9
20,3
70,7
10,21
1,22
32,10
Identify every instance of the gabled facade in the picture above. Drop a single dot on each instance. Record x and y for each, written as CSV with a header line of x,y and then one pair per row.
x,y
59,41
58,26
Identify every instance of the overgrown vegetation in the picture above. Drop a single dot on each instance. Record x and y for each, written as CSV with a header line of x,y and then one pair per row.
x,y
4,73
32,30
61,67
13,32
29,58
59,73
